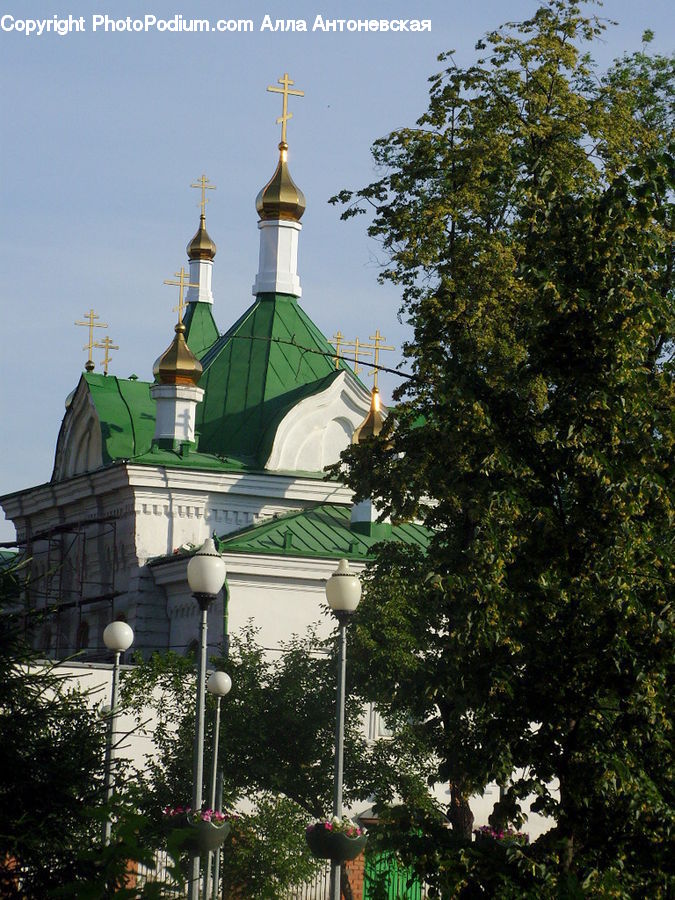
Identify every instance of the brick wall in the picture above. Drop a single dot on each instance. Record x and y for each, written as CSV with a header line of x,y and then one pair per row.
x,y
354,870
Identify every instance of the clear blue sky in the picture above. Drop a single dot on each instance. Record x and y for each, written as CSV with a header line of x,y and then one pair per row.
x,y
103,133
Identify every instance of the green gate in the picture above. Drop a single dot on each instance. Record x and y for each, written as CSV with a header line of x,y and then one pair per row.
x,y
385,879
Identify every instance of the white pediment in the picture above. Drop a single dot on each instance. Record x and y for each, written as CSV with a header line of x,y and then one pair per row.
x,y
79,447
314,433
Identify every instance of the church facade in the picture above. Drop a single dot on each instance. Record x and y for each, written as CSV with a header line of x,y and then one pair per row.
x,y
229,440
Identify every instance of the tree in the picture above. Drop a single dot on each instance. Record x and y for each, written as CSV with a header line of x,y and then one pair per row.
x,y
528,221
52,798
276,752
51,753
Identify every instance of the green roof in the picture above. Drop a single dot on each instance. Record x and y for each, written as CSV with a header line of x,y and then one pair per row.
x,y
272,358
200,328
268,361
126,412
8,558
323,532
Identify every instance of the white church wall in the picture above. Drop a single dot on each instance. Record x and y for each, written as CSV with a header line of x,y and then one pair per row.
x,y
174,507
134,744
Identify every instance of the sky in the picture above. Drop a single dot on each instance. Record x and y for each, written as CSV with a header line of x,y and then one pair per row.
x,y
104,131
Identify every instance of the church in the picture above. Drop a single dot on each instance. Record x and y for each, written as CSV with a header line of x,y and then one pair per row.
x,y
229,440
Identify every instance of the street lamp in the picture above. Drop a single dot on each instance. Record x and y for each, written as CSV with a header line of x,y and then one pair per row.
x,y
343,592
206,576
218,684
118,637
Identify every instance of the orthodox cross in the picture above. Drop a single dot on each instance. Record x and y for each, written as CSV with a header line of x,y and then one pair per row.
x,y
205,186
182,284
359,347
107,345
376,346
285,91
90,324
338,341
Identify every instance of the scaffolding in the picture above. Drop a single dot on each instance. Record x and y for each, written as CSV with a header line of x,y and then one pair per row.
x,y
73,567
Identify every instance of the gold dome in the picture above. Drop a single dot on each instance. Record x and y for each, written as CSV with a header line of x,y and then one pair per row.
x,y
373,423
178,364
281,198
201,246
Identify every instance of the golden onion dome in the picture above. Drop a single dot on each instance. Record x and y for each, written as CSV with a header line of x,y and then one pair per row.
x,y
373,423
201,246
178,364
281,198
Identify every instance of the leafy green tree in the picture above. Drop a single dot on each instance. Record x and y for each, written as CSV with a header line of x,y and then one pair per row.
x,y
276,752
528,221
51,754
52,801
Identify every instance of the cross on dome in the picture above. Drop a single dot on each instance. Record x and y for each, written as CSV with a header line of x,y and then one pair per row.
x,y
285,91
204,185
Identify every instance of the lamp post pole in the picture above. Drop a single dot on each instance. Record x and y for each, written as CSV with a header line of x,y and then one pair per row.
x,y
206,575
118,637
343,592
219,807
219,685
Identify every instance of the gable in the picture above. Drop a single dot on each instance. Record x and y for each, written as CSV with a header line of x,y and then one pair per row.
x,y
313,432
107,419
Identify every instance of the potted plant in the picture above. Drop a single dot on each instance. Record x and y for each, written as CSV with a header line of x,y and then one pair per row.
x,y
205,829
336,839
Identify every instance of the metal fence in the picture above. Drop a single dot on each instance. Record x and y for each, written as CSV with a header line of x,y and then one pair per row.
x,y
160,874
398,885
316,889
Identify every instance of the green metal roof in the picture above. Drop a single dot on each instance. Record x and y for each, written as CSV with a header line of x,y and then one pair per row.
x,y
200,328
272,358
268,361
8,558
323,532
126,412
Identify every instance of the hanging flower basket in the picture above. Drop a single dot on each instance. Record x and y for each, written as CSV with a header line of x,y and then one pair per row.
x,y
202,831
336,839
208,835
486,835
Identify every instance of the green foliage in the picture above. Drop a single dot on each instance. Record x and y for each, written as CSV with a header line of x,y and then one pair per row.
x,y
51,752
267,853
52,806
276,751
528,219
103,872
